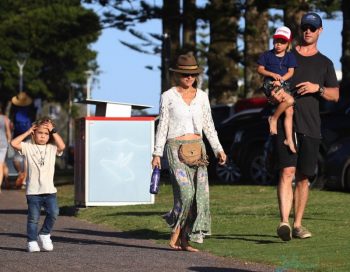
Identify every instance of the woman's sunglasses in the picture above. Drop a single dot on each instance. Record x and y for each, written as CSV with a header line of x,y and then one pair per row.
x,y
310,27
189,75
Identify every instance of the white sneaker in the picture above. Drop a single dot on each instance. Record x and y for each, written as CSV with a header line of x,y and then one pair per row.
x,y
46,242
33,246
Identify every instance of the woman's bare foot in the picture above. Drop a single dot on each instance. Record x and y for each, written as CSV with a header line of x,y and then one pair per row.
x,y
290,144
190,249
175,240
273,125
176,245
187,247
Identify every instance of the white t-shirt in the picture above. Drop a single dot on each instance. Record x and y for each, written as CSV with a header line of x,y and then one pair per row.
x,y
41,167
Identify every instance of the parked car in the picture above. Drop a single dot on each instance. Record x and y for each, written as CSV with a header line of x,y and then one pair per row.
x,y
242,111
223,112
229,131
243,136
251,149
337,165
250,103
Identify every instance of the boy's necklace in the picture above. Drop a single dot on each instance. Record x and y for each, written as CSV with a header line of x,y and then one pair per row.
x,y
280,58
281,62
41,161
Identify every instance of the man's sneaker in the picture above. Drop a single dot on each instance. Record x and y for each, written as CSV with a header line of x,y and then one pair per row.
x,y
301,233
46,242
33,246
284,231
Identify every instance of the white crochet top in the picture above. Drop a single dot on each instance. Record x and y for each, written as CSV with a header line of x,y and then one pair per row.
x,y
175,116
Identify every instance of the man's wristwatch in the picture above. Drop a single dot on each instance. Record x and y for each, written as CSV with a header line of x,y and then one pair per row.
x,y
321,90
53,131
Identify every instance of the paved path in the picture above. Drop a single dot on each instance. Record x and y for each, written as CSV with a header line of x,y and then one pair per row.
x,y
82,246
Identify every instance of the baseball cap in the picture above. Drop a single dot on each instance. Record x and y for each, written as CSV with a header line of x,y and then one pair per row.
x,y
284,33
311,18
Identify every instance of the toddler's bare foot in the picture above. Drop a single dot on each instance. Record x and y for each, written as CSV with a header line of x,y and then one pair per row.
x,y
273,125
290,144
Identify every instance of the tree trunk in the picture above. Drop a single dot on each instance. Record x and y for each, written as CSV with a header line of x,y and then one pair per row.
x,y
293,11
171,38
189,25
223,56
256,41
345,59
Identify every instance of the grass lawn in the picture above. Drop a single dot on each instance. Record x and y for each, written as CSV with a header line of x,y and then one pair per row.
x,y
244,222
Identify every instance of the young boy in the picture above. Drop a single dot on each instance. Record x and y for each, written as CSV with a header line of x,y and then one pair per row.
x,y
277,66
40,155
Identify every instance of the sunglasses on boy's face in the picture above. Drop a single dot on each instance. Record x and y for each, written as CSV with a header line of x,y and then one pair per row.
x,y
189,75
281,41
310,27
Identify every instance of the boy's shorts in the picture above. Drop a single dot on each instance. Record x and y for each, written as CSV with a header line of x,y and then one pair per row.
x,y
268,87
305,160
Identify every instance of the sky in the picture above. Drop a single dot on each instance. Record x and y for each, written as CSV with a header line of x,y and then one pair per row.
x,y
124,78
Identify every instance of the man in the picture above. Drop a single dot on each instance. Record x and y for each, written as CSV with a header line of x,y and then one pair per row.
x,y
315,80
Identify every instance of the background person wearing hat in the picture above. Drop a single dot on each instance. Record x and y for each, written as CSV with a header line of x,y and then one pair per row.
x,y
277,66
184,114
5,138
22,115
316,80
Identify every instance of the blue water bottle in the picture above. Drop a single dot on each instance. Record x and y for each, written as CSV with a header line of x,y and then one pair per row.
x,y
154,187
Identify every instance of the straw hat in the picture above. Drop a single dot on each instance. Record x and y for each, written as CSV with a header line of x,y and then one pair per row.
x,y
22,99
186,64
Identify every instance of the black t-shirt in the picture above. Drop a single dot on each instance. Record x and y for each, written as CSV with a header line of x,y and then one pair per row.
x,y
315,69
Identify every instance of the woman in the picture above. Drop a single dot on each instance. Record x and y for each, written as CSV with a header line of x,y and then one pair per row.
x,y
184,114
5,138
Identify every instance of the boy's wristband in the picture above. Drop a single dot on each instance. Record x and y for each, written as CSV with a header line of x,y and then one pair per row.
x,y
53,131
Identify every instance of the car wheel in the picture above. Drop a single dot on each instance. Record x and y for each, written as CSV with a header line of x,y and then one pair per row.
x,y
229,172
318,181
258,171
255,168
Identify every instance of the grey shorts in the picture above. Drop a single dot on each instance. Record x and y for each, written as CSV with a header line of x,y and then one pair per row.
x,y
3,152
305,160
18,157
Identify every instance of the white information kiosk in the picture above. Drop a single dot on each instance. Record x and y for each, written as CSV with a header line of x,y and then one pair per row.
x,y
113,151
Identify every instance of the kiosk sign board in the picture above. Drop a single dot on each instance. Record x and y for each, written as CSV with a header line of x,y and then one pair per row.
x,y
113,157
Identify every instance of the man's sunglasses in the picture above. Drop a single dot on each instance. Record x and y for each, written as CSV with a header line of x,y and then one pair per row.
x,y
189,75
310,27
